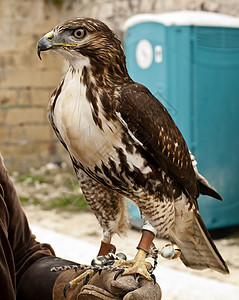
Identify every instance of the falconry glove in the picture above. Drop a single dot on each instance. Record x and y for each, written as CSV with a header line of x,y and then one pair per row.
x,y
104,287
40,282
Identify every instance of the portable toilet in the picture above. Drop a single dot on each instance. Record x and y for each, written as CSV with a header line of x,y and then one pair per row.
x,y
190,62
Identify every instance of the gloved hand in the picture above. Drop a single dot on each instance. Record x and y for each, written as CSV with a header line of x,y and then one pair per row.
x,y
104,287
40,283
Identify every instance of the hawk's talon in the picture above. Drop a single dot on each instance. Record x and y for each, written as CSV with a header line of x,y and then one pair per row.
x,y
66,288
86,276
86,279
153,277
139,268
136,266
109,262
120,272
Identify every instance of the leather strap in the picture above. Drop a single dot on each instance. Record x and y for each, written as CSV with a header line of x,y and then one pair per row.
x,y
93,292
146,240
106,248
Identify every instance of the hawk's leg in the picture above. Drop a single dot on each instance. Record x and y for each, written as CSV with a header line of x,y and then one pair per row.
x,y
109,208
139,265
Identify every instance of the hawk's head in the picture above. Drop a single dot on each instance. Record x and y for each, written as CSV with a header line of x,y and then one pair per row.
x,y
85,40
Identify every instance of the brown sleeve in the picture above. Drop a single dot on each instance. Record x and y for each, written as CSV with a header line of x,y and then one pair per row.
x,y
22,249
7,268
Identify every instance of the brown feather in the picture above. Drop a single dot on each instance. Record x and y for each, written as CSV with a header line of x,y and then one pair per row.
x,y
146,118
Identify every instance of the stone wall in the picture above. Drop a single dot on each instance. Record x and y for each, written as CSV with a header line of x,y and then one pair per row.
x,y
26,83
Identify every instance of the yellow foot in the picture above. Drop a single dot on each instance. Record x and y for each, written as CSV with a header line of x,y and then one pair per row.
x,y
138,265
85,276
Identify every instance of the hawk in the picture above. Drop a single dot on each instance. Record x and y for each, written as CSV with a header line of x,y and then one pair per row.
x,y
123,143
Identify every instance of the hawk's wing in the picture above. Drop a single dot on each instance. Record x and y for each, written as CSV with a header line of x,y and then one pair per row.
x,y
149,122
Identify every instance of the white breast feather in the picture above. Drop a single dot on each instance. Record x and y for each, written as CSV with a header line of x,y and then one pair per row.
x,y
73,117
86,142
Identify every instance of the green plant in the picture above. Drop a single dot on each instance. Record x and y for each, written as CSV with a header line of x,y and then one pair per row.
x,y
57,1
31,179
71,203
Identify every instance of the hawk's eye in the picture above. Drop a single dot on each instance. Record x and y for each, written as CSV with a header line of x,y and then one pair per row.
x,y
79,33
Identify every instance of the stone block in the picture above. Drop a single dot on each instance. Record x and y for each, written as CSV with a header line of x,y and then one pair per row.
x,y
2,115
8,97
24,96
4,133
41,96
7,59
27,151
25,115
38,133
30,133
17,134
22,77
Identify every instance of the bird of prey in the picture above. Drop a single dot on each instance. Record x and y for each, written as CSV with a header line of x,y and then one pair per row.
x,y
123,143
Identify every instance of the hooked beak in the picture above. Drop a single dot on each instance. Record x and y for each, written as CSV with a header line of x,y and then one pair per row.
x,y
46,43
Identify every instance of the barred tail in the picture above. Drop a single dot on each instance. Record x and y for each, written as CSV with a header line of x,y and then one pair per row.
x,y
198,249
